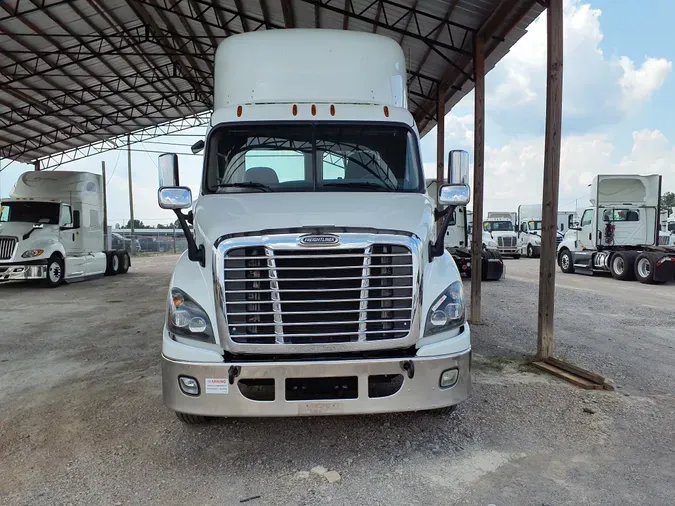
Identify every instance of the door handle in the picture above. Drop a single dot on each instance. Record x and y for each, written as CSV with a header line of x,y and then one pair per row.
x,y
589,237
73,236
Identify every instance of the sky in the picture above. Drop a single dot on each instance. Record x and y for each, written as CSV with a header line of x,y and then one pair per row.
x,y
617,116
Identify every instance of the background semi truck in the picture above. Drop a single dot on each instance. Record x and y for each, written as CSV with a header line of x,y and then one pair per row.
x,y
619,232
316,281
529,228
51,229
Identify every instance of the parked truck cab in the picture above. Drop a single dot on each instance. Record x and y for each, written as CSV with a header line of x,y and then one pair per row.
x,y
316,281
619,232
51,230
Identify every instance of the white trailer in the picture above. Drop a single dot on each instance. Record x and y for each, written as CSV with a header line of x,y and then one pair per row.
x,y
51,229
316,281
619,232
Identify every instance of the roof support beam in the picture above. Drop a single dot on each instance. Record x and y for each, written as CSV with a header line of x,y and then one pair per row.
x,y
547,264
478,177
242,18
22,8
289,15
378,13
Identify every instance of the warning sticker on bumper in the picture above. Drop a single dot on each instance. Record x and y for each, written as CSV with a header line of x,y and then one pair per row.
x,y
216,385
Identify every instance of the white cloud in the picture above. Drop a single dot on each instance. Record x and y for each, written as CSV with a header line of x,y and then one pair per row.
x,y
596,90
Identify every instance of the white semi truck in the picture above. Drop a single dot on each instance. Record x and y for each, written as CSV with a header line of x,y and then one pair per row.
x,y
317,281
51,230
529,228
501,230
619,232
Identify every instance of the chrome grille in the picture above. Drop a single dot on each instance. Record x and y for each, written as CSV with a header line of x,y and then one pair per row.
x,y
664,240
7,245
506,242
318,295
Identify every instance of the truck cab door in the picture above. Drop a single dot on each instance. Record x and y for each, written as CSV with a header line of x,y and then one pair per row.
x,y
67,229
585,235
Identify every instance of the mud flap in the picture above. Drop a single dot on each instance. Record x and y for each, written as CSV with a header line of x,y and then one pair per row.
x,y
664,270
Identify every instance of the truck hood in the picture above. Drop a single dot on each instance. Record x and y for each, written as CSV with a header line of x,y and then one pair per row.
x,y
44,238
19,228
225,214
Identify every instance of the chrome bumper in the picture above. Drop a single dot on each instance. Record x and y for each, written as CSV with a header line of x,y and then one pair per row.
x,y
18,272
422,391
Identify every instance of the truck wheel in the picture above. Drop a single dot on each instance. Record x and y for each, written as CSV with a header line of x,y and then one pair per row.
x,y
515,257
621,266
530,251
124,261
191,419
566,262
55,272
113,263
645,264
448,410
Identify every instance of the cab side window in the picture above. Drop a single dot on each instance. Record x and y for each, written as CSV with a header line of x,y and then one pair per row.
x,y
587,218
66,216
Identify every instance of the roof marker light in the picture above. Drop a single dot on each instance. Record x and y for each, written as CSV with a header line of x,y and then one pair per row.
x,y
240,110
332,110
313,109
386,111
295,110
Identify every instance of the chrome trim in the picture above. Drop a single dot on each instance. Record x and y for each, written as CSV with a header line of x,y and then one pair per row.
x,y
289,242
8,246
365,285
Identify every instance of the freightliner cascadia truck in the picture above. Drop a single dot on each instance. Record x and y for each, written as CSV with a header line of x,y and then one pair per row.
x,y
316,281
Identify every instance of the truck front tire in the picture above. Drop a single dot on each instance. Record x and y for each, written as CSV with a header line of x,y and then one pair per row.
x,y
113,263
191,419
124,261
566,262
530,251
55,272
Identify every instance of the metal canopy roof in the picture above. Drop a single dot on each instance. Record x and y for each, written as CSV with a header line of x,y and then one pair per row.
x,y
78,76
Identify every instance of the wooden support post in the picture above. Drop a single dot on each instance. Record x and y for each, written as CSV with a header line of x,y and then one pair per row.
x,y
478,175
547,263
36,165
131,198
440,138
105,206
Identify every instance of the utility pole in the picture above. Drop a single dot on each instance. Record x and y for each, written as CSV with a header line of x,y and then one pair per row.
x,y
131,196
105,206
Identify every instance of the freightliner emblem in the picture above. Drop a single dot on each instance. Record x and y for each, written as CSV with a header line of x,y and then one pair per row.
x,y
319,240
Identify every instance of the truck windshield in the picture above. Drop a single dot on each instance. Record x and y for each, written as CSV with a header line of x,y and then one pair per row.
x,y
498,226
671,226
534,225
306,157
30,212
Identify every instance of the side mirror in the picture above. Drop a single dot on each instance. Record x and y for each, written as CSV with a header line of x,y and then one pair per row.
x,y
458,166
168,170
454,194
197,147
177,197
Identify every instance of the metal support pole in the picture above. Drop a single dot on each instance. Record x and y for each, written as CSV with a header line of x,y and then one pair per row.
x,y
131,196
478,176
36,165
105,206
440,138
547,263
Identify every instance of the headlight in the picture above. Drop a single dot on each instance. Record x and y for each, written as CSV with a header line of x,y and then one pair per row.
x,y
447,312
32,253
187,318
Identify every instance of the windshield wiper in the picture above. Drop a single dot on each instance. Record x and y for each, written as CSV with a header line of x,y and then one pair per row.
x,y
246,184
361,184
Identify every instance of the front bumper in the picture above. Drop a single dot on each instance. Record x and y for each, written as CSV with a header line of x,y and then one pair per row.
x,y
23,271
422,391
508,250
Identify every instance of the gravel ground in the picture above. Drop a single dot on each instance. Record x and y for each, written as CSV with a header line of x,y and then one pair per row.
x,y
83,423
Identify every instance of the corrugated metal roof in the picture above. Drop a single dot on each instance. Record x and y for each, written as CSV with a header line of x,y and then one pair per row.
x,y
78,72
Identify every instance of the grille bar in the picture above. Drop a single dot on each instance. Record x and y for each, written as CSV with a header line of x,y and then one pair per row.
x,y
324,295
7,245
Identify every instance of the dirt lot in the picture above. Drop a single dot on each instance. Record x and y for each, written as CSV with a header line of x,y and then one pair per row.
x,y
82,420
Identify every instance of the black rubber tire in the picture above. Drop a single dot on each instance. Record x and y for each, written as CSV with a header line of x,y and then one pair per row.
x,y
645,265
622,266
54,262
516,257
530,251
570,261
192,419
448,410
124,261
112,263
